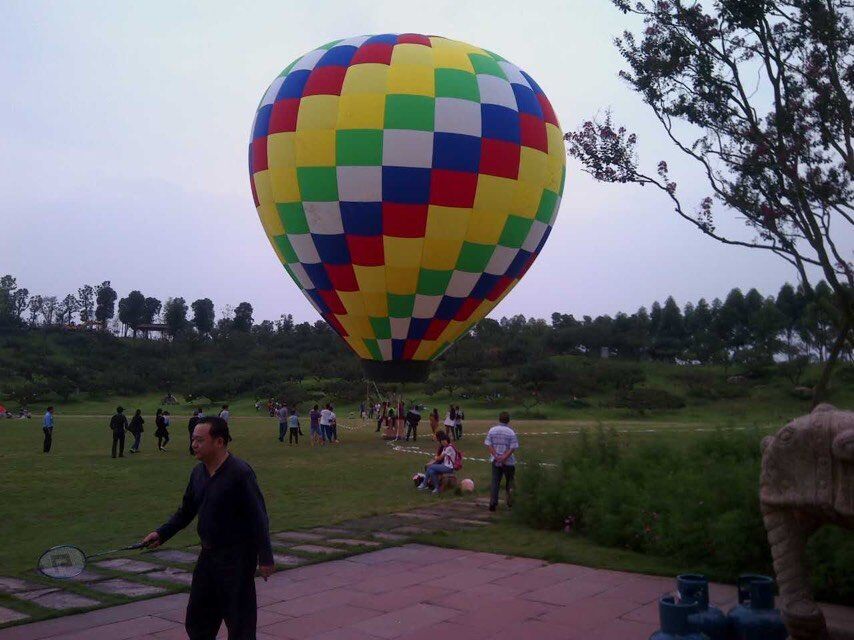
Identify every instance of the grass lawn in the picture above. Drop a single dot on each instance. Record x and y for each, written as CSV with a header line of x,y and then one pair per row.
x,y
78,494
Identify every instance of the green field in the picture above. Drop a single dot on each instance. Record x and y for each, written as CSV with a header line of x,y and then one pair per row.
x,y
78,494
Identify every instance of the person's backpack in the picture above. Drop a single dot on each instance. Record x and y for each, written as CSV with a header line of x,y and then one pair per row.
x,y
458,459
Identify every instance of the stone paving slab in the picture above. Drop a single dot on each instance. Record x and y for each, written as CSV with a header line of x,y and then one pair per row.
x,y
127,565
121,587
331,531
287,560
11,585
316,548
56,599
170,574
176,555
408,530
350,542
299,536
10,615
389,537
88,576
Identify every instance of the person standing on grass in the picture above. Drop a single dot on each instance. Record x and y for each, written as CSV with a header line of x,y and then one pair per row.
x,y
281,414
225,414
194,420
458,422
502,443
325,423
118,424
413,417
47,427
293,428
380,416
314,426
434,422
160,430
235,537
450,421
135,427
333,424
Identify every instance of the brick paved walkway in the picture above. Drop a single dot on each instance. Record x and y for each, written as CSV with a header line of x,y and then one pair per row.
x,y
402,593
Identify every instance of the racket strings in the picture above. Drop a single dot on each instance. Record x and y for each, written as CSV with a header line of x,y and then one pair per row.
x,y
62,562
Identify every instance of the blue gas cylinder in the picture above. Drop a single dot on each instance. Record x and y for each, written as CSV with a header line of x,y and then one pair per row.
x,y
709,620
755,618
674,618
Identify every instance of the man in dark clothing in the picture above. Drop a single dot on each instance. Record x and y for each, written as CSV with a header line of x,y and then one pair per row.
x,y
234,533
191,425
413,417
118,424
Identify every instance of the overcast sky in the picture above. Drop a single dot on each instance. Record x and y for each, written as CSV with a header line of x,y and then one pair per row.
x,y
124,128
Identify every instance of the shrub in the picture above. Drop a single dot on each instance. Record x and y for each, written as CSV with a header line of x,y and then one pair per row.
x,y
648,399
697,503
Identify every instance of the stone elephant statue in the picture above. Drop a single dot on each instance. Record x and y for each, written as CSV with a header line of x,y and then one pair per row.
x,y
807,480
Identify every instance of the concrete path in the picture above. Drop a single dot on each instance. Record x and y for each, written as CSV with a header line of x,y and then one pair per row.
x,y
416,592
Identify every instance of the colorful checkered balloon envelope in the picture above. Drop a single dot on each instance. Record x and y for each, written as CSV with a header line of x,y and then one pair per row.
x,y
407,183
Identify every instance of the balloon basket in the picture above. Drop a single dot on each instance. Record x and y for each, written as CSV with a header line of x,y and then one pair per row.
x,y
396,370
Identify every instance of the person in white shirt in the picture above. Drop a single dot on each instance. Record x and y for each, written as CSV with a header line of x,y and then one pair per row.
x,y
225,414
502,443
326,417
441,464
450,421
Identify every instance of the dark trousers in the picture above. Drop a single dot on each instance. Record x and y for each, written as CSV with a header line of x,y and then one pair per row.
x,y
48,438
162,440
458,431
283,426
509,473
119,440
137,439
293,436
223,589
412,428
379,423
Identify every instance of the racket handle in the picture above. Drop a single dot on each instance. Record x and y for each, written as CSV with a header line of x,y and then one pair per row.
x,y
138,545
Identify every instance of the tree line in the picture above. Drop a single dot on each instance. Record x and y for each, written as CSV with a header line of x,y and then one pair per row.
x,y
42,348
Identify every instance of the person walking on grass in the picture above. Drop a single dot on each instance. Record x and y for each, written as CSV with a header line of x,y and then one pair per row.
x,y
160,430
191,425
450,421
118,425
235,537
413,417
293,428
47,427
135,427
502,443
314,426
443,463
282,416
434,422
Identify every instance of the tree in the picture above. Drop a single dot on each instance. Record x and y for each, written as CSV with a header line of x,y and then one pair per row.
x,y
132,311
86,302
105,303
35,308
203,315
65,310
175,315
768,86
151,308
13,301
49,307
242,317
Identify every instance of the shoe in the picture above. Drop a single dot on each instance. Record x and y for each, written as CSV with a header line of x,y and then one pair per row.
x,y
435,491
492,507
114,456
422,486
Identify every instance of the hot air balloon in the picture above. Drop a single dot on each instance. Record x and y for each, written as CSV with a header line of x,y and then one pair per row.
x,y
406,183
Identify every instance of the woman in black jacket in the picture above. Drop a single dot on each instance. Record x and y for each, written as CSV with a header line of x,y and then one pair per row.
x,y
161,432
135,427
